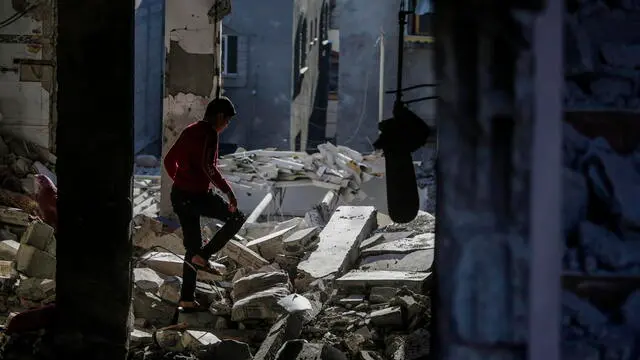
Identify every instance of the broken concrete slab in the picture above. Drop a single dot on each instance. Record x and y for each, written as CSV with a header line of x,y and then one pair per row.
x,y
359,279
257,282
195,339
205,293
171,265
412,347
9,249
147,279
383,237
382,294
140,338
149,306
271,245
302,350
390,317
262,305
298,240
41,236
244,256
35,263
13,216
36,290
169,340
417,261
8,276
402,246
338,244
277,336
229,350
203,320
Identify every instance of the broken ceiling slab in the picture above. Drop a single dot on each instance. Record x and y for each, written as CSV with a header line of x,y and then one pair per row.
x,y
338,243
420,261
171,265
270,246
243,255
359,279
402,246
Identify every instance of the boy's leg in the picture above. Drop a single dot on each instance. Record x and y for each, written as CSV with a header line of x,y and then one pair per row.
x,y
187,213
218,208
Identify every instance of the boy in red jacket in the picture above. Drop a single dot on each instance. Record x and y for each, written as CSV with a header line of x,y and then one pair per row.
x,y
192,164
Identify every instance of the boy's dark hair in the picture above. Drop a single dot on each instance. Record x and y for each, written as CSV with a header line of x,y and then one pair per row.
x,y
221,105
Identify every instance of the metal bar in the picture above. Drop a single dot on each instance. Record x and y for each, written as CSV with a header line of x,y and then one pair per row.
x,y
546,185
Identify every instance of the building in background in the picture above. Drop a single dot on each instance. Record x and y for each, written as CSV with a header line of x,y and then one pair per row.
x,y
257,52
368,34
27,71
193,51
310,74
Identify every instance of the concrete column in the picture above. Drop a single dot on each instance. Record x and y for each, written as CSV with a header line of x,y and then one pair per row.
x,y
484,62
94,168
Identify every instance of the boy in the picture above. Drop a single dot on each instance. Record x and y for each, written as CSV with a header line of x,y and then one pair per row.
x,y
192,164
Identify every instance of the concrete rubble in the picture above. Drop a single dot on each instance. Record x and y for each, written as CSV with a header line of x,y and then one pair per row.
x,y
343,282
602,252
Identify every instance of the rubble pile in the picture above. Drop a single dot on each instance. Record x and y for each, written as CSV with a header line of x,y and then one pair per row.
x,y
20,161
602,257
354,289
332,167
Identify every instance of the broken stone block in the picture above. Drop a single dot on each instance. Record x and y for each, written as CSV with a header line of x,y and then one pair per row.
x,y
412,347
147,279
171,265
36,290
370,355
302,350
41,236
271,245
205,293
151,307
338,244
169,340
243,255
390,317
35,263
382,294
262,305
221,307
8,278
402,246
13,216
9,249
352,300
298,241
413,308
416,261
194,339
6,234
354,343
277,336
359,279
258,282
140,338
372,241
203,320
229,350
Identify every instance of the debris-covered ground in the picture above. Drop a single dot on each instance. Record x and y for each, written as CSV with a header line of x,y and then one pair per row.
x,y
339,283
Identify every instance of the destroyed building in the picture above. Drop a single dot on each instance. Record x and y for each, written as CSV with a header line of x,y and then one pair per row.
x,y
335,278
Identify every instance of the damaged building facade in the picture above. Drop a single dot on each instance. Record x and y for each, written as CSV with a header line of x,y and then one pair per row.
x,y
257,52
27,71
310,74
193,53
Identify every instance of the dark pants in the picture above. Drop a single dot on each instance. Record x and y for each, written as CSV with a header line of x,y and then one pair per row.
x,y
189,207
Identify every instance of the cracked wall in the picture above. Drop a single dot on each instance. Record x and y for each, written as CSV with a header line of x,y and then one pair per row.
x,y
27,72
190,41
